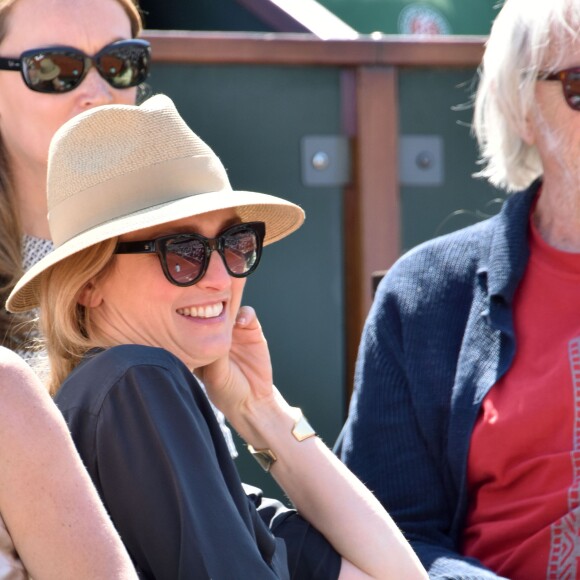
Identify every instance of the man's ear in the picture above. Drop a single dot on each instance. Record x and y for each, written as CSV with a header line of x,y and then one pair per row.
x,y
89,296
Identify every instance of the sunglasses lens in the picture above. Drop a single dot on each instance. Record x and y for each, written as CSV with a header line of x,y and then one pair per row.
x,y
186,256
185,259
124,64
53,71
241,251
572,88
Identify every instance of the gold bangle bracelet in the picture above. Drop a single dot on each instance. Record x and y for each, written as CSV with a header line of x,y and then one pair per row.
x,y
301,431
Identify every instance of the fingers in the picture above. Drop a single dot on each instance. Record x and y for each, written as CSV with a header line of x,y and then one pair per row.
x,y
247,318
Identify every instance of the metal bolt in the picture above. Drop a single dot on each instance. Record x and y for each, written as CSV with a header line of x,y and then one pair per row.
x,y
424,160
320,161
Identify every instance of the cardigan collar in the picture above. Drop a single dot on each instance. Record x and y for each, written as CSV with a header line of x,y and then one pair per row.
x,y
506,254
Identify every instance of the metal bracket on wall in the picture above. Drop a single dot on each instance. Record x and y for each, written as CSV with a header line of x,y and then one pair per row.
x,y
325,160
421,160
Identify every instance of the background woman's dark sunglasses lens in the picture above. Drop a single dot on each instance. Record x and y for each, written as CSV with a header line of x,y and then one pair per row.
x,y
124,66
52,71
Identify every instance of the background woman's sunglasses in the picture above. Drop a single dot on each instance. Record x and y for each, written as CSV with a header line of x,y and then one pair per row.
x,y
185,257
570,79
59,69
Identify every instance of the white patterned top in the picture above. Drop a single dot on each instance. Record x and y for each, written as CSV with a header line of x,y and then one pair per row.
x,y
33,250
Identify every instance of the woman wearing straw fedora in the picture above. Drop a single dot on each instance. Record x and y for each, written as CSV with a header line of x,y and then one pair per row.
x,y
144,286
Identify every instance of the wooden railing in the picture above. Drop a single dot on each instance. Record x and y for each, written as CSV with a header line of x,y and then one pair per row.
x,y
370,118
308,50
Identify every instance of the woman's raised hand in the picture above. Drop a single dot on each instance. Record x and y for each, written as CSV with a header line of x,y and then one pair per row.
x,y
244,376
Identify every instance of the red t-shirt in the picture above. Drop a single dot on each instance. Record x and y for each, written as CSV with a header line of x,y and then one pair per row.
x,y
524,461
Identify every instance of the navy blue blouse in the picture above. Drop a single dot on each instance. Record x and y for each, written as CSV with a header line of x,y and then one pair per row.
x,y
154,450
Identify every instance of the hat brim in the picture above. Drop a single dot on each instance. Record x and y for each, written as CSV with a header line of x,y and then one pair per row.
x,y
280,216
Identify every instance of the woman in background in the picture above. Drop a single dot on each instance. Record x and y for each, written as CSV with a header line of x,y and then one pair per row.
x,y
39,91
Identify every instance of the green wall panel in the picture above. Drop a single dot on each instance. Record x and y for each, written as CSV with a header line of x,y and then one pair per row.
x,y
254,118
437,102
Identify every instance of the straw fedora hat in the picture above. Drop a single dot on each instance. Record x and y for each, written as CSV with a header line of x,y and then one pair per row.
x,y
116,169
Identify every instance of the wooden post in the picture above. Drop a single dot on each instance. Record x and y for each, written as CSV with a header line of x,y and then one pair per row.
x,y
371,208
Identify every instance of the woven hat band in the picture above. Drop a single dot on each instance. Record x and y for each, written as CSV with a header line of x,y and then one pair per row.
x,y
130,193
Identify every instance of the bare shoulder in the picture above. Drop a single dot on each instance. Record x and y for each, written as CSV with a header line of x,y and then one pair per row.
x,y
13,369
24,401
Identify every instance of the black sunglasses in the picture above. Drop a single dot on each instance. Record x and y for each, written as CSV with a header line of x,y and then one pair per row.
x,y
185,257
59,69
570,79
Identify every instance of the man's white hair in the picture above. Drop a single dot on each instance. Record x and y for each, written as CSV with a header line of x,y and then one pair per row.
x,y
528,38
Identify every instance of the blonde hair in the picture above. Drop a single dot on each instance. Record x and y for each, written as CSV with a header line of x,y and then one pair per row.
x,y
528,38
15,328
65,324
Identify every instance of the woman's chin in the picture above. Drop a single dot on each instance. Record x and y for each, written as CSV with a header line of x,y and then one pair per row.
x,y
203,357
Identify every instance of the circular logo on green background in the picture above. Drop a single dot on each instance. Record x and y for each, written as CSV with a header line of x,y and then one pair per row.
x,y
421,19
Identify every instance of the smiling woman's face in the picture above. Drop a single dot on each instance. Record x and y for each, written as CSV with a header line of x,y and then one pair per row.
x,y
134,303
